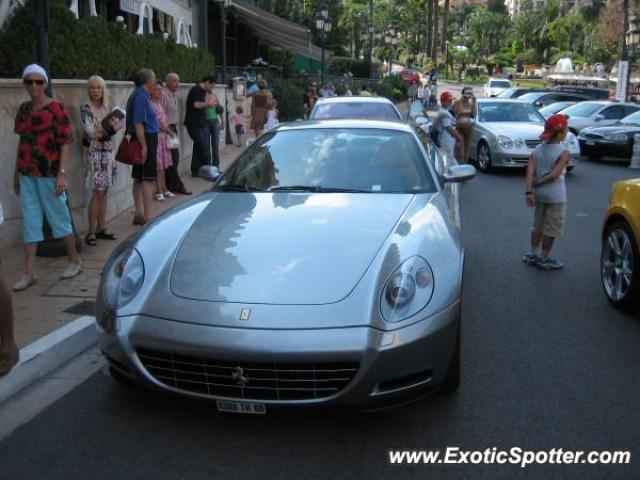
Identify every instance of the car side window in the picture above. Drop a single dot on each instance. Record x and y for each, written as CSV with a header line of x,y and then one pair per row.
x,y
548,100
628,110
615,112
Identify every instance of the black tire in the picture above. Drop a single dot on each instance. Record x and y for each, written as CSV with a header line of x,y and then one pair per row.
x,y
620,252
570,169
483,157
452,382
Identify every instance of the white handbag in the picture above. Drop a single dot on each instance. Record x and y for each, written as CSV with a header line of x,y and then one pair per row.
x,y
173,143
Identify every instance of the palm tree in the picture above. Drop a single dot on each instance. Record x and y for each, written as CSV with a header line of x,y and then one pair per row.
x,y
445,25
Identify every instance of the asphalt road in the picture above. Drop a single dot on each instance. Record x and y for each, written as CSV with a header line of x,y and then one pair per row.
x,y
547,363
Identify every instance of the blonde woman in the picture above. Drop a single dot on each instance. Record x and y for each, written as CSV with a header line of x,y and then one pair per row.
x,y
101,166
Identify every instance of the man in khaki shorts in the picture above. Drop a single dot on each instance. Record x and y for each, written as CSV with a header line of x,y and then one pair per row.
x,y
545,172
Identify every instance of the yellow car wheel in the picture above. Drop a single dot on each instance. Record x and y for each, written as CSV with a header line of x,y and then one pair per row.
x,y
620,266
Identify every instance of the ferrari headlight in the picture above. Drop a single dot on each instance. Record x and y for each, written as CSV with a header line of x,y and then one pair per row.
x,y
124,275
505,142
620,137
408,290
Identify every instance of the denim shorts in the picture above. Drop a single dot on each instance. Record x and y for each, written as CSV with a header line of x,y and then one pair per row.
x,y
37,198
239,129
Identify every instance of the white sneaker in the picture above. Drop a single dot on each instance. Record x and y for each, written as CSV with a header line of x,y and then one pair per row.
x,y
169,194
159,197
72,270
25,282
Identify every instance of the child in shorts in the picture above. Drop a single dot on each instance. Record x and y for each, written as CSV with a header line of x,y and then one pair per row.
x,y
239,121
546,191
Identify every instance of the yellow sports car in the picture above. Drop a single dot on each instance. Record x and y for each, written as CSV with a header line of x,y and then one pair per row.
x,y
620,259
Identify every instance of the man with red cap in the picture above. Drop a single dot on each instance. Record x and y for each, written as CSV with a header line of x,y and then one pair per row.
x,y
546,191
445,126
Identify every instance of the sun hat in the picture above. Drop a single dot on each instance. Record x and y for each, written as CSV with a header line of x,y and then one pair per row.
x,y
554,124
35,69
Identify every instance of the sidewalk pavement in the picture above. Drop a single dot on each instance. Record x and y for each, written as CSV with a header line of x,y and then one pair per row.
x,y
52,302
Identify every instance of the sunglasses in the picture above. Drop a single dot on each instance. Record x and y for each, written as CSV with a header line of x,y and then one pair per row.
x,y
33,82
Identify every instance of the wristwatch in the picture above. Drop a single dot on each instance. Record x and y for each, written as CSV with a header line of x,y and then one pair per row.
x,y
528,193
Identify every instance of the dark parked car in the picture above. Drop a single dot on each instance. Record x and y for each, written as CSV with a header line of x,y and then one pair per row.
x,y
542,99
591,93
517,92
612,141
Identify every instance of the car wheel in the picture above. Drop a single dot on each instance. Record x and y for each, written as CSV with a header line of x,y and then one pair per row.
x,y
452,382
570,169
620,266
484,157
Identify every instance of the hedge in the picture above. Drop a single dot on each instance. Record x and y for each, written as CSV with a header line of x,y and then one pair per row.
x,y
358,68
90,46
290,92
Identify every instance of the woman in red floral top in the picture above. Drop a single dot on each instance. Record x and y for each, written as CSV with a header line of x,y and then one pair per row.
x,y
45,134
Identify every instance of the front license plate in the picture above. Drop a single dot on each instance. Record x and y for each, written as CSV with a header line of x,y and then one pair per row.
x,y
590,142
242,407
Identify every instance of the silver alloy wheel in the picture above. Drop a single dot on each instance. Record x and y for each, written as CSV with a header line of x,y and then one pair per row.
x,y
484,157
617,264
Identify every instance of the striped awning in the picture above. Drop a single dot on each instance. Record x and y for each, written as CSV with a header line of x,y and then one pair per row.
x,y
276,30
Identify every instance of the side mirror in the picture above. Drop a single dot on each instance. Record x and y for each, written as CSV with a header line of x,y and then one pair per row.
x,y
209,173
599,117
460,173
421,121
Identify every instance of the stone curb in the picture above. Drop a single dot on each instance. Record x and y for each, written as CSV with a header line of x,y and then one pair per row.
x,y
48,353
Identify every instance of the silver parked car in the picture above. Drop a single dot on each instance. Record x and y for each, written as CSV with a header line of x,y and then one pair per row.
x,y
323,268
379,108
600,113
554,108
506,131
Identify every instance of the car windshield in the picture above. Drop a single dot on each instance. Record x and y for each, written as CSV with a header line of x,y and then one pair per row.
x,y
515,112
500,84
555,108
531,97
633,119
353,160
371,110
508,93
583,109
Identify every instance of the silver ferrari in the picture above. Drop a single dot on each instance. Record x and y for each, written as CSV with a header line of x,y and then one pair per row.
x,y
506,131
324,267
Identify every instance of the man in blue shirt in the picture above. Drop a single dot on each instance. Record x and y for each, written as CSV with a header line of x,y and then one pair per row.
x,y
142,122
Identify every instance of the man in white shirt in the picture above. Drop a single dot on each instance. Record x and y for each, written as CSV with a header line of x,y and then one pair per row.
x,y
445,126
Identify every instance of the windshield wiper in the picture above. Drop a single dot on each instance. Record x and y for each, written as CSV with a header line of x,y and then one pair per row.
x,y
315,189
239,188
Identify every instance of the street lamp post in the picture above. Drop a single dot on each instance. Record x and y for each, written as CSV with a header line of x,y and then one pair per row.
x,y
224,6
446,60
323,25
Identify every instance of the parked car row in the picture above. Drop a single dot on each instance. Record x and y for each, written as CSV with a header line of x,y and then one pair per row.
x,y
603,128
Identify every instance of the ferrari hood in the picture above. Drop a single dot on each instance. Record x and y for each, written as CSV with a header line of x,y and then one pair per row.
x,y
283,248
